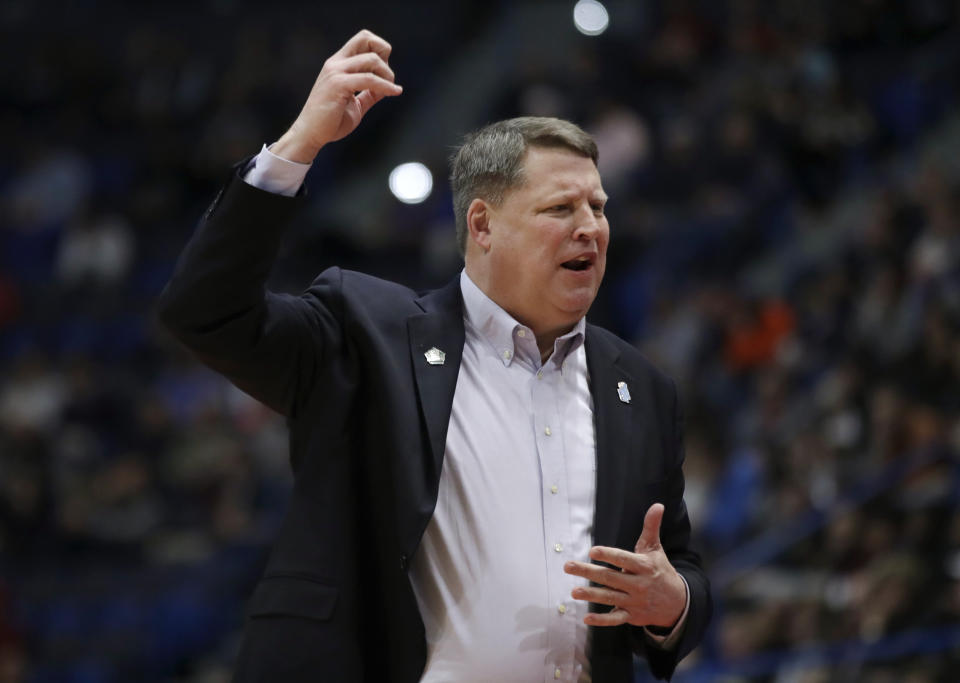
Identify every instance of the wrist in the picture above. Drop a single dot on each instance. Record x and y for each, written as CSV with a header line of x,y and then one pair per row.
x,y
292,147
680,607
661,630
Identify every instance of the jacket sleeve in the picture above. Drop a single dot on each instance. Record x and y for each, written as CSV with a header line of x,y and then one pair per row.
x,y
216,303
675,538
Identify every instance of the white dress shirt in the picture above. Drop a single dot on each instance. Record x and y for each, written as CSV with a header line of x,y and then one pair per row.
x,y
515,502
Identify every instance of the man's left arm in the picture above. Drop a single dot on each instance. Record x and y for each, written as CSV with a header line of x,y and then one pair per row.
x,y
659,589
643,587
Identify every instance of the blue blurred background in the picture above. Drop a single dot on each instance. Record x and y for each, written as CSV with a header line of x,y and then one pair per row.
x,y
785,221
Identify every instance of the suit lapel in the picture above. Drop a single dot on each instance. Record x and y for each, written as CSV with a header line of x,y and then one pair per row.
x,y
439,327
615,424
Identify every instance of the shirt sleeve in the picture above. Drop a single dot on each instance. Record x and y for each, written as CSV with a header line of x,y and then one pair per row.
x,y
669,641
272,173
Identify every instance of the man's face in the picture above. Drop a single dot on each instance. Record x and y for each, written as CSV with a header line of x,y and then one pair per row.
x,y
548,242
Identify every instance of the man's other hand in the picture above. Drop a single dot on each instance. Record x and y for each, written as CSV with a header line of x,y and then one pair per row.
x,y
645,591
352,80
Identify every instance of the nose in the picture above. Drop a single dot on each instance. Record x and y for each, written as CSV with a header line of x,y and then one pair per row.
x,y
587,224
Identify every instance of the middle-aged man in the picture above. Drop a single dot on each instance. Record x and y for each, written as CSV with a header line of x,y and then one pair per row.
x,y
486,487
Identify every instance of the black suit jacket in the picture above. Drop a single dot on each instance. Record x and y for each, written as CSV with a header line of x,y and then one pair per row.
x,y
368,418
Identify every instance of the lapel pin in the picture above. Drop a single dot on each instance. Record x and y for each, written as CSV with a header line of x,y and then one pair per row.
x,y
623,391
435,356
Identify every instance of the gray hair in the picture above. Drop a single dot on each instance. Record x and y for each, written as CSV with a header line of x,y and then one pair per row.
x,y
490,160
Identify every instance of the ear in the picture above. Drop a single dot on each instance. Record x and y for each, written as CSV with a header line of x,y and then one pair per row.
x,y
478,224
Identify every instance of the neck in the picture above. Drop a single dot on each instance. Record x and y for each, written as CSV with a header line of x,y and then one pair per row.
x,y
546,341
546,334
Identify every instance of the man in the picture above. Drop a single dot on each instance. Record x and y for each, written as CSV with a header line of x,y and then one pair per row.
x,y
456,454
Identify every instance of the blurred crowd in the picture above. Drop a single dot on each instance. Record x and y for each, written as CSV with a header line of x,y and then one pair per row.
x,y
785,221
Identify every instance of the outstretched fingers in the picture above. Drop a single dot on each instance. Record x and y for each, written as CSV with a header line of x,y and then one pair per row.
x,y
612,618
597,574
601,596
634,563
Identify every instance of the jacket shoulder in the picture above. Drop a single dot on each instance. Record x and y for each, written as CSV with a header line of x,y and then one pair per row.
x,y
353,282
364,296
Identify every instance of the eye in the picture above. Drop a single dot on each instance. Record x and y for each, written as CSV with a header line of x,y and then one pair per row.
x,y
597,208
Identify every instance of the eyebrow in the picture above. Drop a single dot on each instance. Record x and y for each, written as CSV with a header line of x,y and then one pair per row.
x,y
567,196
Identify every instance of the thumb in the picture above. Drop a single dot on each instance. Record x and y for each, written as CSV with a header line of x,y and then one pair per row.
x,y
367,99
650,536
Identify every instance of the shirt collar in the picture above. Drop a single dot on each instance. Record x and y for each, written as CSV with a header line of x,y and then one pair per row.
x,y
508,337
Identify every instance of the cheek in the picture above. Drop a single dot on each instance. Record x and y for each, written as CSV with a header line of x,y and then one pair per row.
x,y
605,240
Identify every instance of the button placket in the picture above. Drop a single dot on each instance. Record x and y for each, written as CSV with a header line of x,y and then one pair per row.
x,y
556,513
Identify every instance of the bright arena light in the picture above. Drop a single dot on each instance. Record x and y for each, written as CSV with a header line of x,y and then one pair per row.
x,y
411,183
590,17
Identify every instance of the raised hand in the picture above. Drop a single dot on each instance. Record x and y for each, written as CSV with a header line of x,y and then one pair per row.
x,y
645,591
352,80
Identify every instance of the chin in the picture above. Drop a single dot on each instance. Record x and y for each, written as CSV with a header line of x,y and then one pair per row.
x,y
579,303
574,310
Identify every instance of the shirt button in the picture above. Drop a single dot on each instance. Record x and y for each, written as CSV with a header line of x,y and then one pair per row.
x,y
547,431
556,673
558,547
562,609
521,333
507,353
554,489
539,374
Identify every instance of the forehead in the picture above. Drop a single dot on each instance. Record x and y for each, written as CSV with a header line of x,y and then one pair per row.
x,y
554,170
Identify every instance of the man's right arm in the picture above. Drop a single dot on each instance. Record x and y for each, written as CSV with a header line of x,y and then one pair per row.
x,y
216,302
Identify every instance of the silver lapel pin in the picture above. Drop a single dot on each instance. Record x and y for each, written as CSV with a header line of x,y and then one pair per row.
x,y
435,356
623,391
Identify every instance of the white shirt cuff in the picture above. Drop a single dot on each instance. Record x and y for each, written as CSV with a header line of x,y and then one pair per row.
x,y
275,174
670,641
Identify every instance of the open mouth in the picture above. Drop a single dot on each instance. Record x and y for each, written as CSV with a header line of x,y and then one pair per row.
x,y
577,264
